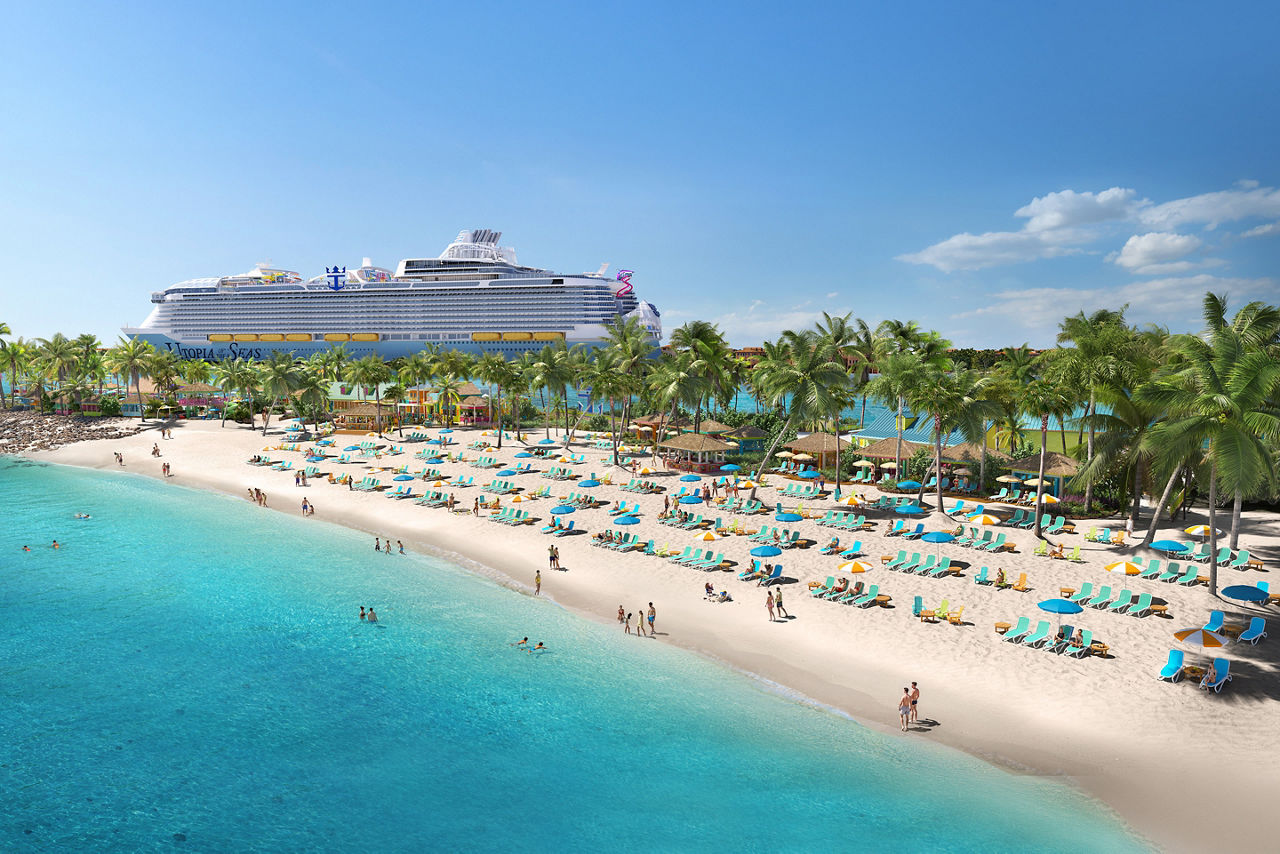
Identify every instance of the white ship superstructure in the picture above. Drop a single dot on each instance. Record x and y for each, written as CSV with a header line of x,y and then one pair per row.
x,y
473,297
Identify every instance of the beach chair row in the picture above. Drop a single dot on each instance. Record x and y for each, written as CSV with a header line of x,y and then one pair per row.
x,y
932,566
511,516
1124,602
1105,537
834,548
984,541
580,499
1218,674
844,521
1045,637
558,529
432,499
783,538
367,484
886,502
901,528
499,487
757,572
402,491
800,490
643,487
852,595
942,612
559,473
984,579
623,543
698,559
745,506
483,462
688,524
623,510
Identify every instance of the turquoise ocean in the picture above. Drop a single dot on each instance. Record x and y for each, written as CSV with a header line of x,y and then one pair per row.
x,y
188,673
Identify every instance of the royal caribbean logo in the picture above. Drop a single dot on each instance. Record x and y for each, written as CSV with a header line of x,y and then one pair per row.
x,y
337,275
624,276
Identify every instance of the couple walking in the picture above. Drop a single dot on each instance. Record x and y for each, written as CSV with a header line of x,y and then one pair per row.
x,y
772,601
908,706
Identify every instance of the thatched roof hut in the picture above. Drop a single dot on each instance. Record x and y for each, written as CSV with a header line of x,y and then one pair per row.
x,y
1055,465
887,449
971,452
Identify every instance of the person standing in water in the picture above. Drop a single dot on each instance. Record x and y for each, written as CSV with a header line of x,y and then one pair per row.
x,y
537,583
363,615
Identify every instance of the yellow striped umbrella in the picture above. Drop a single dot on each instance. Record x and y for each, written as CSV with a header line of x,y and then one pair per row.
x,y
708,536
1048,499
1201,638
985,519
852,566
646,470
865,464
851,500
1128,567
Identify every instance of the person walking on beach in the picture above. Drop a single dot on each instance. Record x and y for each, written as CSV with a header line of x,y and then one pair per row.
x,y
297,479
768,603
304,505
400,546
537,583
915,700
627,623
904,708
377,544
639,622
622,615
119,458
652,615
777,603
551,557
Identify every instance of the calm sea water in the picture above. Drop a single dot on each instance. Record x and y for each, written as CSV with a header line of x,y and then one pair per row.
x,y
187,673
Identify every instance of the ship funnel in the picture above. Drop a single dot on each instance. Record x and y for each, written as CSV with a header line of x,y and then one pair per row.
x,y
367,262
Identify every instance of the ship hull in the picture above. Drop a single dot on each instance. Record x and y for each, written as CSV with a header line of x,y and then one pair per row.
x,y
258,350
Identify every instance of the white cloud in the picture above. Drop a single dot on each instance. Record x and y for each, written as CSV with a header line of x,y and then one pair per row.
x,y
976,251
833,294
1173,301
1067,208
1157,253
748,328
1263,230
1213,209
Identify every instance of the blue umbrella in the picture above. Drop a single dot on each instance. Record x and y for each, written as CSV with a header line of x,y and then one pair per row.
x,y
546,441
446,430
1245,593
808,475
788,517
524,455
504,473
626,520
1171,546
690,499
766,551
690,478
434,461
731,467
910,510
909,484
432,442
1060,606
588,483
351,448
403,477
938,537
562,509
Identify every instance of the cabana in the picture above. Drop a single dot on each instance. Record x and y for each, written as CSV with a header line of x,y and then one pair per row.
x,y
748,437
887,449
473,411
696,452
364,417
820,446
1058,468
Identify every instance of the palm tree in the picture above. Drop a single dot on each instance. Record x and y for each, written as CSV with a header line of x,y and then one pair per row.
x,y
195,371
230,376
1042,399
448,395
672,383
12,355
1220,395
843,336
608,381
61,355
131,360
393,394
280,377
499,374
899,374
311,395
955,401
373,371
1124,441
803,371
633,346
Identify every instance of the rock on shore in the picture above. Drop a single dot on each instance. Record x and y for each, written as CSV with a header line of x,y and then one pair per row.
x,y
25,431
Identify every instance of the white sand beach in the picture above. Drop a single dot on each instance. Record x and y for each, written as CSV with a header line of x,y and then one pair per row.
x,y
1177,763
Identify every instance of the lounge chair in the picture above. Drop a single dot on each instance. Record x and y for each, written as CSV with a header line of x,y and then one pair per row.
x,y
898,561
1061,640
1172,669
754,571
1018,632
1086,642
943,609
1241,561
1141,607
1021,584
854,550
1170,574
824,588
981,577
1257,631
956,617
1219,674
1102,599
1075,555
1039,636
1122,601
1216,619
1188,578
943,568
869,598
1085,594
1153,570
776,575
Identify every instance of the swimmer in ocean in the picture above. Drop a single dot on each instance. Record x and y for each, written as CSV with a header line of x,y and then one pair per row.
x,y
536,648
28,548
521,642
55,545
373,618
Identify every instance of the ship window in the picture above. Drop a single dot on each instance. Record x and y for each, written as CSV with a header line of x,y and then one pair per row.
x,y
557,281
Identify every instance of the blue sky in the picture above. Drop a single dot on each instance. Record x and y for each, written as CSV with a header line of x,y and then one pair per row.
x,y
983,169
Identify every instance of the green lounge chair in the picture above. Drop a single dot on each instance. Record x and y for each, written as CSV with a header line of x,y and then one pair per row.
x,y
1085,594
1122,601
1018,632
1141,607
1241,561
1086,641
870,598
1189,577
1039,636
943,568
1174,570
824,588
1101,600
1153,570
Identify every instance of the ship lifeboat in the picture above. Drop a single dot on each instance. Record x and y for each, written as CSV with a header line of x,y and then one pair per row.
x,y
220,337
246,336
548,336
517,336
298,336
364,336
486,336
337,336
271,336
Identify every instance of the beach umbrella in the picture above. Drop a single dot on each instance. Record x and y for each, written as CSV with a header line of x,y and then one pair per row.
x,y
784,454
803,457
963,471
938,537
708,536
447,430
434,461
852,566
347,448
432,442
851,500
731,467
1008,478
441,483
891,465
524,455
690,478
766,551
403,477
588,483
1035,481
1245,593
865,464
563,509
984,519
909,484
645,470
1202,638
1048,499
1170,546
910,510
627,520
690,499
788,517
809,475
1060,607
748,484
505,473
516,499
1125,566
1201,531
546,441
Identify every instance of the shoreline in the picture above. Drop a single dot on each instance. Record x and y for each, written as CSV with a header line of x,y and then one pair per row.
x,y
825,658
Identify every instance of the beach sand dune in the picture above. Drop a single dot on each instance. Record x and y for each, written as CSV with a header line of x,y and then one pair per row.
x,y
1107,723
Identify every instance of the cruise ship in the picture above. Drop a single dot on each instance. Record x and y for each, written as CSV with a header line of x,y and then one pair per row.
x,y
474,297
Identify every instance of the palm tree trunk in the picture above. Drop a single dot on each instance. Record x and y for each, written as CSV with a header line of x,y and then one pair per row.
x,y
862,419
499,387
897,458
1044,445
1088,487
982,461
765,462
1235,520
1213,525
1164,500
137,384
1137,492
937,457
837,434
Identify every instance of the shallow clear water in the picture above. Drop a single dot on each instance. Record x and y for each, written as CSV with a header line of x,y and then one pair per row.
x,y
187,672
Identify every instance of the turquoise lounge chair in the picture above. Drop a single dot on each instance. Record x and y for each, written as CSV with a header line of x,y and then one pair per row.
x,y
1172,669
1218,675
1141,607
1257,631
1038,636
1102,599
1122,601
1019,631
981,577
1086,640
1216,619
897,561
1241,561
870,598
1153,570
1085,594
